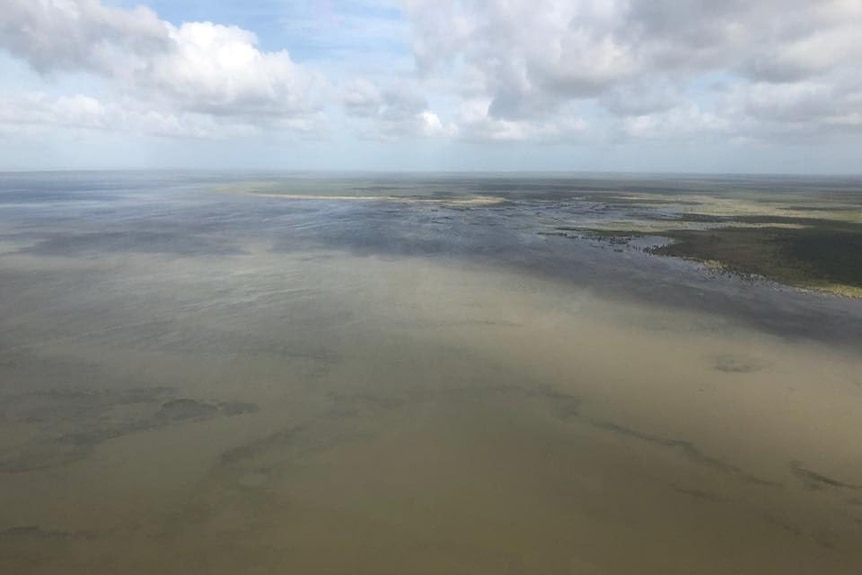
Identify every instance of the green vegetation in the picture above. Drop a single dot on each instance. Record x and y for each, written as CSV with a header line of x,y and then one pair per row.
x,y
806,246
825,257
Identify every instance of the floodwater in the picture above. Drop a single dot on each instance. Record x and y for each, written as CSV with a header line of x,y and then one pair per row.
x,y
202,375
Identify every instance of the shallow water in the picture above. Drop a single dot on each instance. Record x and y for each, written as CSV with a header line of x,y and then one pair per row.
x,y
198,380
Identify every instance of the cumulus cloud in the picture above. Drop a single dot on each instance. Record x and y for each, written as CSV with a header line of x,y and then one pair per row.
x,y
182,72
480,69
396,111
219,69
645,62
475,121
57,35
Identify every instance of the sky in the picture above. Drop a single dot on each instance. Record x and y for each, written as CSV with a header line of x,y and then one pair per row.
x,y
691,86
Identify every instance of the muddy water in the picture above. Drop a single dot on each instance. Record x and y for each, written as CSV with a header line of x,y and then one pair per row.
x,y
323,412
206,381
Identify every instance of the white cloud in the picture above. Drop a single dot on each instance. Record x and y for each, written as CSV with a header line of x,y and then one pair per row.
x,y
802,109
431,124
33,112
57,35
170,74
475,121
362,98
397,111
682,122
219,70
645,62
524,49
574,71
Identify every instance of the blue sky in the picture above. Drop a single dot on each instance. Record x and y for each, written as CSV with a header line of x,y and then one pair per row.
x,y
545,85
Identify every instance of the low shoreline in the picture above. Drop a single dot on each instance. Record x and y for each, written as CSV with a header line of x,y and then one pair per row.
x,y
809,258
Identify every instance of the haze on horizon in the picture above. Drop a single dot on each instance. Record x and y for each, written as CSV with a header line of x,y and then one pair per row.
x,y
532,85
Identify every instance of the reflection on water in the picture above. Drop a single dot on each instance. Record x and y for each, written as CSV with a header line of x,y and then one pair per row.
x,y
200,382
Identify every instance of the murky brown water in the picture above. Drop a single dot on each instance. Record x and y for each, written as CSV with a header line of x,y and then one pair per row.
x,y
320,412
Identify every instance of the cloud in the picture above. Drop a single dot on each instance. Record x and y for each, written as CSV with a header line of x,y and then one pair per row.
x,y
681,122
645,63
34,112
362,98
219,70
524,49
183,72
792,111
639,97
478,70
476,122
397,111
57,35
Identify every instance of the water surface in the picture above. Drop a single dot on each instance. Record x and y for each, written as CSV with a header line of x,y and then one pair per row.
x,y
254,373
